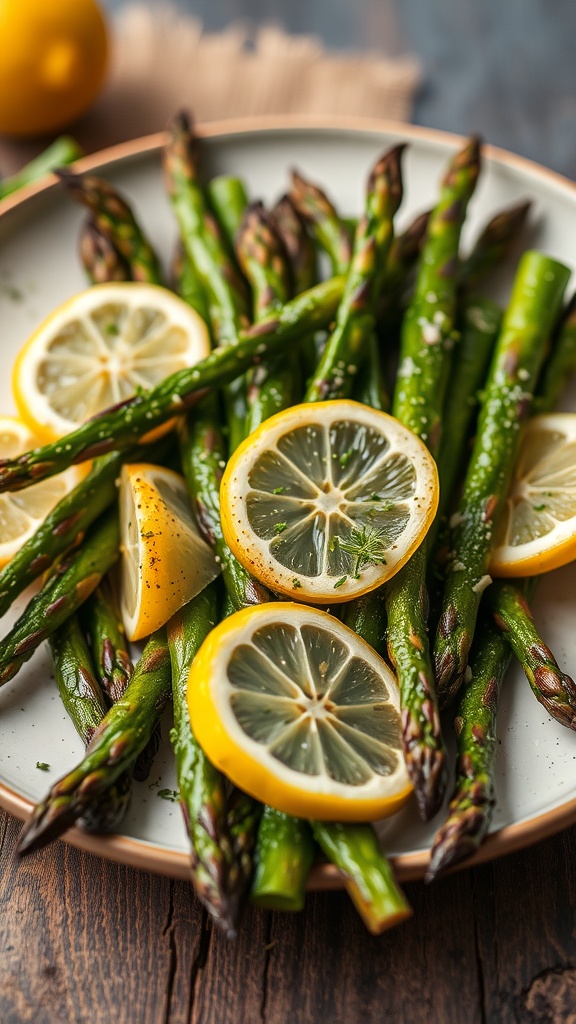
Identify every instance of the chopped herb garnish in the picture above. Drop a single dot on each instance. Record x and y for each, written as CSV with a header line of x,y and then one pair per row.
x,y
278,490
375,497
345,458
340,582
280,527
296,584
169,794
538,508
42,766
368,547
112,329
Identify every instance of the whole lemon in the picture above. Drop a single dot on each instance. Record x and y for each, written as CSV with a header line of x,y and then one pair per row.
x,y
53,56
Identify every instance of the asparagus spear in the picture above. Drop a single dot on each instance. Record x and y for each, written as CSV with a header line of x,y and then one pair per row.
x,y
531,314
112,663
84,702
228,200
64,150
115,220
121,735
216,873
188,285
330,232
479,323
61,596
555,690
103,622
76,679
298,244
368,877
472,801
473,796
356,315
404,253
100,259
118,428
562,363
208,251
427,340
493,244
280,880
262,257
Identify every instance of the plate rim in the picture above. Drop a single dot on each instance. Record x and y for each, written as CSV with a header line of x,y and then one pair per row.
x,y
142,854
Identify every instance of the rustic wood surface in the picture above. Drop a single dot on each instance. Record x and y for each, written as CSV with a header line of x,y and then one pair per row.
x,y
84,941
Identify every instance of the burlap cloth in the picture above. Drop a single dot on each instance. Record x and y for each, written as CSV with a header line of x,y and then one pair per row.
x,y
162,61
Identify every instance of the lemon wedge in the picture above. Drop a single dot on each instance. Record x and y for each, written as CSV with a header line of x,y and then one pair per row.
x,y
326,501
98,349
22,512
537,531
164,560
300,713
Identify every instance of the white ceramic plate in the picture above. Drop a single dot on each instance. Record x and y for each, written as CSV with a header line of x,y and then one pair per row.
x,y
39,268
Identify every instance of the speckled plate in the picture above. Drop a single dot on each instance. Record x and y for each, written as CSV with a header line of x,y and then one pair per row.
x,y
39,268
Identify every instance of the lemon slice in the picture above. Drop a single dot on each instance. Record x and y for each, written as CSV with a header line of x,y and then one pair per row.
x,y
324,502
537,532
98,348
22,512
164,560
300,713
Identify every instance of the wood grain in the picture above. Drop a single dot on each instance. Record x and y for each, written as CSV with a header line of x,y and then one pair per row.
x,y
85,941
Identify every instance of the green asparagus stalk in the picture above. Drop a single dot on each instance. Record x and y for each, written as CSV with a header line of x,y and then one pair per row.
x,y
64,528
115,220
76,679
262,257
298,244
121,735
369,386
493,244
61,596
328,229
531,314
188,285
472,802
64,150
404,253
555,690
120,427
100,259
112,663
228,200
356,315
561,365
216,874
479,325
280,881
428,335
473,797
208,251
103,622
84,702
368,877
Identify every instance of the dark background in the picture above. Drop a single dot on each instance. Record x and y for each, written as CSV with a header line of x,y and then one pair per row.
x,y
504,68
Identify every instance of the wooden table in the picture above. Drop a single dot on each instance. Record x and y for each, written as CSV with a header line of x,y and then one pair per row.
x,y
83,941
